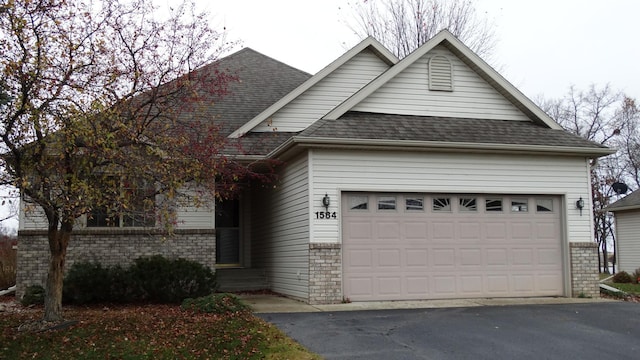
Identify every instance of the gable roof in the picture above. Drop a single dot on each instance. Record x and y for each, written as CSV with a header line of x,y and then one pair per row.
x,y
629,202
484,70
368,43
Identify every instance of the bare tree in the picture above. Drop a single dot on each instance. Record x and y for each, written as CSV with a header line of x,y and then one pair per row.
x,y
403,25
608,117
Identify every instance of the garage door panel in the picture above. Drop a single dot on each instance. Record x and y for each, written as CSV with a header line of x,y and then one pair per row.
x,y
471,285
444,285
444,258
470,257
442,231
417,285
427,254
389,258
417,258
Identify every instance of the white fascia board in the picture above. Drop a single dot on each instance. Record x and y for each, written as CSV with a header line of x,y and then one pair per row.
x,y
623,208
374,144
473,60
383,53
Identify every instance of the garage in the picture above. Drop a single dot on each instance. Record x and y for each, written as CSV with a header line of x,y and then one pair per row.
x,y
437,246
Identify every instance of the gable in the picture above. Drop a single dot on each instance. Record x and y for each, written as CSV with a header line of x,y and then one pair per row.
x,y
332,90
463,94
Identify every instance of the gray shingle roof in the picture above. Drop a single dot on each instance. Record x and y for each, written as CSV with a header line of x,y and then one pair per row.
x,y
261,81
359,125
631,201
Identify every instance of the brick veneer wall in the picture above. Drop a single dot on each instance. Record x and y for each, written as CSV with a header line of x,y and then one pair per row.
x,y
325,273
584,269
109,247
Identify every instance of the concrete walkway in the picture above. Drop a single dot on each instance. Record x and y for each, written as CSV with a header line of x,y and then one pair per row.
x,y
281,304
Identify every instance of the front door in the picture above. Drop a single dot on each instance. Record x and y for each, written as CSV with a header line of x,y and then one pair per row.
x,y
228,232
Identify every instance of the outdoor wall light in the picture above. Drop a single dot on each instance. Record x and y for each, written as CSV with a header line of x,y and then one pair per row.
x,y
326,201
580,204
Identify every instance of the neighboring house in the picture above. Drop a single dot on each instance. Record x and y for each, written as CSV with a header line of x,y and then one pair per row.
x,y
428,177
627,225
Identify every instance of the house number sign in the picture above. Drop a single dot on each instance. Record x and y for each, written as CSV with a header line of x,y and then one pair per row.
x,y
326,215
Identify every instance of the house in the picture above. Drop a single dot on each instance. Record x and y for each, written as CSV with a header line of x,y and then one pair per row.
x,y
627,225
429,177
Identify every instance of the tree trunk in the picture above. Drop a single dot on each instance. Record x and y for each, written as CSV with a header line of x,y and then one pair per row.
x,y
58,242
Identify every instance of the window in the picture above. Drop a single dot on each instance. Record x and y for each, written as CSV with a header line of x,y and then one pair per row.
x,y
140,210
468,204
387,203
519,205
493,204
441,204
544,205
414,204
358,202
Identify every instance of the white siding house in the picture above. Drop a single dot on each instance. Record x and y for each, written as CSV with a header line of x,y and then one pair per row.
x,y
421,178
627,225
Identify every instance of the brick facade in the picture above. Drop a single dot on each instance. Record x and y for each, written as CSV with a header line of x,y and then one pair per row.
x,y
325,273
584,269
110,247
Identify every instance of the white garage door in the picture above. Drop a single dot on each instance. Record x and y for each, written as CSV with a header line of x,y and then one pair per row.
x,y
431,246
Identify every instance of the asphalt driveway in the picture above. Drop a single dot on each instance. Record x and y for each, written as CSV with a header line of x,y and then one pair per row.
x,y
608,330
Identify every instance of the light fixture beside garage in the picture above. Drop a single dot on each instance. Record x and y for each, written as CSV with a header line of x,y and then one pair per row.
x,y
580,204
326,201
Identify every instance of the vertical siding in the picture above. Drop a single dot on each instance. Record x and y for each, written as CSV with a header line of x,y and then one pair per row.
x,y
336,171
280,230
472,97
628,247
326,94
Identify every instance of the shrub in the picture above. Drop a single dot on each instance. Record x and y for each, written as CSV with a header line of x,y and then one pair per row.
x,y
151,279
171,281
7,263
33,295
215,304
636,276
86,283
622,277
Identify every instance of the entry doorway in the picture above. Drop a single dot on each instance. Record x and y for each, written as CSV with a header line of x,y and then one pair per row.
x,y
228,233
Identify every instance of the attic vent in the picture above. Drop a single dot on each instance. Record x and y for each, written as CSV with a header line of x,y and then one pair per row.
x,y
440,74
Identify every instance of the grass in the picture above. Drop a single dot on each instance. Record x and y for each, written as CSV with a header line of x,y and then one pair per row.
x,y
628,288
147,332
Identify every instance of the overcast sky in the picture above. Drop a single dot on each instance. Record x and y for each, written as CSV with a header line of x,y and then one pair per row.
x,y
544,46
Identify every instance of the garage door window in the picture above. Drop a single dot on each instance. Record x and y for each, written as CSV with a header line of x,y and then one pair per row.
x,y
441,204
544,205
519,205
387,203
358,202
414,204
468,204
493,204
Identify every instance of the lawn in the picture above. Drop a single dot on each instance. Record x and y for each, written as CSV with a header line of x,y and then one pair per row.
x,y
629,288
147,332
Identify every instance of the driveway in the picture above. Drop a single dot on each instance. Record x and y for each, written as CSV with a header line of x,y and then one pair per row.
x,y
608,330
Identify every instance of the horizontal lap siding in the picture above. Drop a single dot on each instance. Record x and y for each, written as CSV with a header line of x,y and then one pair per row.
x,y
628,231
336,171
280,230
326,94
408,93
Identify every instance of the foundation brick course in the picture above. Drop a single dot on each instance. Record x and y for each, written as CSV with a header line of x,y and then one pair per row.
x,y
325,273
584,269
110,247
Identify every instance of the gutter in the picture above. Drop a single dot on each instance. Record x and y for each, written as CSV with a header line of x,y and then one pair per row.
x,y
413,145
